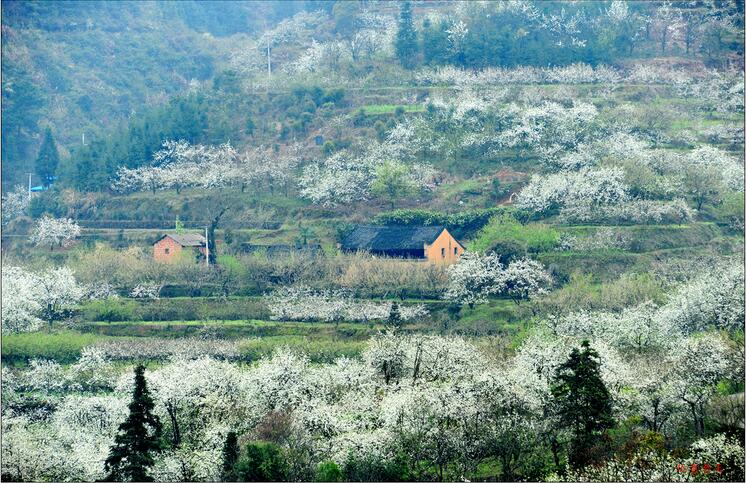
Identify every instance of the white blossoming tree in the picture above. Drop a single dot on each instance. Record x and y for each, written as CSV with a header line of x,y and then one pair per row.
x,y
21,304
476,277
54,232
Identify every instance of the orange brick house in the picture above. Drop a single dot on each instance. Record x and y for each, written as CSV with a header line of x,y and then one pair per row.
x,y
432,243
169,248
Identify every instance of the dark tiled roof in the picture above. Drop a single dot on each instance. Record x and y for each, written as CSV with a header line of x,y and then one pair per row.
x,y
187,239
383,238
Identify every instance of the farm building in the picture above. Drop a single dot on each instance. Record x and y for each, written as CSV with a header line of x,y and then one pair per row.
x,y
169,248
433,243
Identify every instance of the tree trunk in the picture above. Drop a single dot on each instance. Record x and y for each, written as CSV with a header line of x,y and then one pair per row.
x,y
177,432
211,236
555,456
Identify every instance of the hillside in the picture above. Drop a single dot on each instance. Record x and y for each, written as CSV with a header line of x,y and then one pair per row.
x,y
80,66
588,157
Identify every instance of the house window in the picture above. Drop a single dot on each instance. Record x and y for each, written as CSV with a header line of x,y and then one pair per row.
x,y
455,250
167,250
443,252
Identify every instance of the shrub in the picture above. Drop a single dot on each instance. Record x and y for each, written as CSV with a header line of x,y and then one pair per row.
x,y
461,224
328,471
261,461
504,228
371,468
731,211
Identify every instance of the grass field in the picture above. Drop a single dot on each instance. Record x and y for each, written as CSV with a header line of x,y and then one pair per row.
x,y
382,109
254,338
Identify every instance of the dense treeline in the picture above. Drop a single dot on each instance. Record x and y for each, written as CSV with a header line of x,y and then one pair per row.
x,y
558,33
220,115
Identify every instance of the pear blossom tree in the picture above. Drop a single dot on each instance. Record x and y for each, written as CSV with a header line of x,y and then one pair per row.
x,y
476,277
180,165
54,232
524,279
304,303
51,295
21,304
15,204
147,290
345,177
700,365
59,294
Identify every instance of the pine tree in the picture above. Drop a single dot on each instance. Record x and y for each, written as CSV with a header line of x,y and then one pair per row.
x,y
406,38
138,438
582,402
48,159
230,457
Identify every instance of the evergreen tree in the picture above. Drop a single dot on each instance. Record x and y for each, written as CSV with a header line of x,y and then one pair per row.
x,y
48,159
435,43
394,321
406,38
582,402
262,461
230,457
138,438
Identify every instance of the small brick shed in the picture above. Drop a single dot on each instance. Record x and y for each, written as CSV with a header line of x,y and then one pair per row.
x,y
168,248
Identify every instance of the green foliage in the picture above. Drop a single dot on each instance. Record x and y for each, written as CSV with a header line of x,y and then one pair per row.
x,y
731,211
500,37
262,461
47,202
318,348
505,232
369,468
582,403
63,346
344,17
394,321
328,471
391,182
582,293
396,109
231,452
406,38
48,159
461,224
138,437
110,310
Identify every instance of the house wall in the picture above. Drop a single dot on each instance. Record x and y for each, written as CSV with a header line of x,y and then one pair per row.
x,y
445,249
174,250
166,250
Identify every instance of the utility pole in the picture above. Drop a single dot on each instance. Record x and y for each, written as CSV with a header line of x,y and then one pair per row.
x,y
207,247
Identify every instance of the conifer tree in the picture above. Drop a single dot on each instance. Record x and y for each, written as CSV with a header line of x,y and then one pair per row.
x,y
406,38
582,402
48,159
230,457
394,321
138,438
